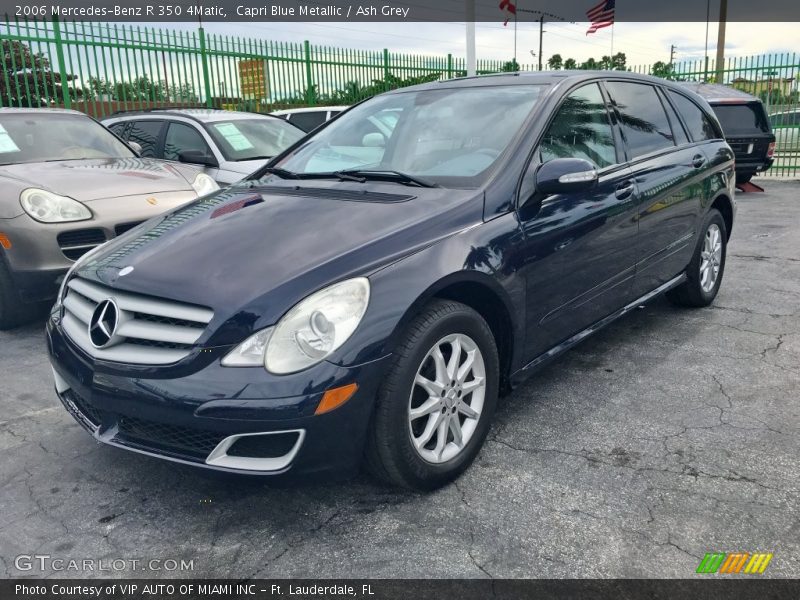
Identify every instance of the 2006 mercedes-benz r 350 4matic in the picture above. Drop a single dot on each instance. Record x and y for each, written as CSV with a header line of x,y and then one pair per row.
x,y
372,291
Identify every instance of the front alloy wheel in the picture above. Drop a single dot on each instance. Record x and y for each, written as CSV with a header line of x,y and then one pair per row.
x,y
436,403
447,398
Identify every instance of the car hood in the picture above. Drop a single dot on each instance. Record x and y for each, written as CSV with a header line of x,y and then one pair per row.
x,y
93,179
250,253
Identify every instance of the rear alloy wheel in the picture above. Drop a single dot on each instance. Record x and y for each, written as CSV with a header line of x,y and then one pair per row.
x,y
436,403
704,273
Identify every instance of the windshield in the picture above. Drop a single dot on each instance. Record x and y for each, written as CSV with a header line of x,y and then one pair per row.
x,y
741,118
450,136
249,139
45,136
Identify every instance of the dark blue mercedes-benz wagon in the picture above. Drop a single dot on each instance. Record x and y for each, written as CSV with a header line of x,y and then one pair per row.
x,y
368,295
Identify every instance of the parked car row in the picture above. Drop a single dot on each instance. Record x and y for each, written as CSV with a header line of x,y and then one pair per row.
x,y
370,292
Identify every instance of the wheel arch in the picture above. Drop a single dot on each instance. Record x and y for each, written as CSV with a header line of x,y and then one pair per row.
x,y
485,295
725,206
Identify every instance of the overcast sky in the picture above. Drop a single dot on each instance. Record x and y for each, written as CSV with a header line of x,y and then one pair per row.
x,y
643,43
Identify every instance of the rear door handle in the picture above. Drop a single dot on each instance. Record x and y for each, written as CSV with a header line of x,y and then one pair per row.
x,y
624,190
698,161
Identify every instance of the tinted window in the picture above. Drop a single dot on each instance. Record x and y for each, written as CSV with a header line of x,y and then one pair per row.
x,y
145,133
677,128
182,137
741,118
698,124
308,120
118,128
581,129
642,117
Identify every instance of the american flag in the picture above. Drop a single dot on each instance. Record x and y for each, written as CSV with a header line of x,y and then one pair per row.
x,y
601,15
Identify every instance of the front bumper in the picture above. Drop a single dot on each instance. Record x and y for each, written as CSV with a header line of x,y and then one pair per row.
x,y
228,419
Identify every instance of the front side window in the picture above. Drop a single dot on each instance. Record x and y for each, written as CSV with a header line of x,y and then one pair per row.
x,y
697,123
642,118
581,129
252,139
182,138
46,136
451,136
145,133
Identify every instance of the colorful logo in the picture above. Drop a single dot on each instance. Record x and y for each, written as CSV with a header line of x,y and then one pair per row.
x,y
734,562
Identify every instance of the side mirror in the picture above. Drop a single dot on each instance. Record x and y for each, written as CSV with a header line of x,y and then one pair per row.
x,y
136,148
373,140
566,175
197,157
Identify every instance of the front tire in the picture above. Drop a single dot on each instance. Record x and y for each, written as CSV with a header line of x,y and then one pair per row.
x,y
10,305
704,273
436,404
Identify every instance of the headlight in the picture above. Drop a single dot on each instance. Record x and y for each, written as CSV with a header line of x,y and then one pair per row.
x,y
203,184
250,353
47,207
317,326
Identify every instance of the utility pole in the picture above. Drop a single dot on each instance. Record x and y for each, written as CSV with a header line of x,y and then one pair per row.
x,y
672,50
471,60
723,17
541,39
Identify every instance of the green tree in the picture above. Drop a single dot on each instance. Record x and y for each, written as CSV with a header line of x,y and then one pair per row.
x,y
619,61
27,78
570,64
662,69
555,62
590,65
511,66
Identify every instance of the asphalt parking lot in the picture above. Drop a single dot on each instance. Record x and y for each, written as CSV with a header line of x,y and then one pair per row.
x,y
670,434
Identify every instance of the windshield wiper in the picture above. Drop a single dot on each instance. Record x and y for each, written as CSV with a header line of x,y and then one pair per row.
x,y
282,173
255,158
388,175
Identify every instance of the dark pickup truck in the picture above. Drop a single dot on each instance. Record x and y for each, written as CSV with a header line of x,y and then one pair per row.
x,y
745,125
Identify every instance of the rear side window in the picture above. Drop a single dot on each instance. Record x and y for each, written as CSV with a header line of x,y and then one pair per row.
x,y
118,129
677,128
309,120
145,133
699,125
742,118
789,119
642,118
581,129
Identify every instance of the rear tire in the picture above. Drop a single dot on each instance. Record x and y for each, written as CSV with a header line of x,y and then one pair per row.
x,y
10,305
428,393
704,273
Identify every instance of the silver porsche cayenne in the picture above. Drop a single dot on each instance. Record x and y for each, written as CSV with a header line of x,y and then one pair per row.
x,y
70,185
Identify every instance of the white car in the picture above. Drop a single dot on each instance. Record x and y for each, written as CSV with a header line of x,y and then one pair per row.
x,y
309,118
786,127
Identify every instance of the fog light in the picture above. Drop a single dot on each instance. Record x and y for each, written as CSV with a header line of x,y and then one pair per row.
x,y
335,398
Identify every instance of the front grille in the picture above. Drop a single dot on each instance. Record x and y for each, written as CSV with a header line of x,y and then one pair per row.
x,y
123,227
75,244
197,443
149,330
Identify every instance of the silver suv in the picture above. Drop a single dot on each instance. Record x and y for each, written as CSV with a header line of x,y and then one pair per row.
x,y
227,145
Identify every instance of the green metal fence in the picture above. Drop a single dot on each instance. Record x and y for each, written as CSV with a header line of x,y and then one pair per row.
x,y
101,68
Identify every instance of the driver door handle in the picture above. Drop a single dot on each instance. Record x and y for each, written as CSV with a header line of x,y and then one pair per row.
x,y
624,190
698,161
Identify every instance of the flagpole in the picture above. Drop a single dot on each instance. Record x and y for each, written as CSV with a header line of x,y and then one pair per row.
x,y
612,40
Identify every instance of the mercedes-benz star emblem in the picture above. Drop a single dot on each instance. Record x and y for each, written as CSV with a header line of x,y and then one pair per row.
x,y
103,324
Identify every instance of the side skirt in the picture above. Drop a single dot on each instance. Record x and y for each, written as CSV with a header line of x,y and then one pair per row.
x,y
526,371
